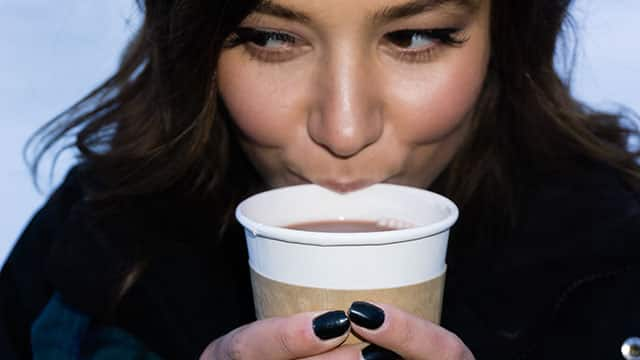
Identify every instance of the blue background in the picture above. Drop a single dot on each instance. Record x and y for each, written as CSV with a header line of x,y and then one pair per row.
x,y
52,53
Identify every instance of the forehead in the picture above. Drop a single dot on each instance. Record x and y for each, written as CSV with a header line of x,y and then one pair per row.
x,y
378,11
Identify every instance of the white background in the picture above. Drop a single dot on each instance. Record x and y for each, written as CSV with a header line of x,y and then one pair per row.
x,y
54,52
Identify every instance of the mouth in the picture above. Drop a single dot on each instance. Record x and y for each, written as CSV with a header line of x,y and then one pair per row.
x,y
336,185
345,186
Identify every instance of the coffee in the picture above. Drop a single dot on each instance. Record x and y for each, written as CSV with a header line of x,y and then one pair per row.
x,y
341,226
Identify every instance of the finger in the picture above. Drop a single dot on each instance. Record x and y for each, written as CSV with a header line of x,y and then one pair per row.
x,y
375,352
408,335
293,337
344,352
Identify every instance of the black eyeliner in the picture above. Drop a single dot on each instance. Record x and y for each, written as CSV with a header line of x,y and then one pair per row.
x,y
240,36
243,35
443,35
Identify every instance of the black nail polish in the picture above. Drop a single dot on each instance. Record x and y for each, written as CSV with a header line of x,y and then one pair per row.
x,y
331,324
375,352
366,315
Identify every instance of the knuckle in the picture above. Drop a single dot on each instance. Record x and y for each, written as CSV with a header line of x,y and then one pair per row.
x,y
289,337
234,349
285,341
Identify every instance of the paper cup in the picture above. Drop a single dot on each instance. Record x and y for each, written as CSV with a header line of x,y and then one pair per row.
x,y
295,271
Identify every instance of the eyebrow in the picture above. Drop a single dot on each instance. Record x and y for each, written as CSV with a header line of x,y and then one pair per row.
x,y
387,14
416,7
268,7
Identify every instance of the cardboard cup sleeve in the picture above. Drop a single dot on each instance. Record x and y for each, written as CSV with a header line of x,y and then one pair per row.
x,y
273,298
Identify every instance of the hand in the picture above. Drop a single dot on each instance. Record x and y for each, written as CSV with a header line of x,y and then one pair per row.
x,y
295,337
406,335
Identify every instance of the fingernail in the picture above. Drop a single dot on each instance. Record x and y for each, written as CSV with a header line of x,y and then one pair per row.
x,y
331,324
366,315
375,352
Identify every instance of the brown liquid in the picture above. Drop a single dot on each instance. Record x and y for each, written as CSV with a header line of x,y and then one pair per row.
x,y
346,226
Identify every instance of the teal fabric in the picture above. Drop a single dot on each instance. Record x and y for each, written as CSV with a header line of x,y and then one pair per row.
x,y
60,332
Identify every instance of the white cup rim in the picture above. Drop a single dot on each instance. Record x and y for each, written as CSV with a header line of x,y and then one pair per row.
x,y
347,239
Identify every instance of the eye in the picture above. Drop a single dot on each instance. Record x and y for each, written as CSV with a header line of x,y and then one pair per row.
x,y
268,46
422,45
271,40
423,39
410,39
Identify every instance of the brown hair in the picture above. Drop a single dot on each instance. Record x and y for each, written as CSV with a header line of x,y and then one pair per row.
x,y
158,123
527,123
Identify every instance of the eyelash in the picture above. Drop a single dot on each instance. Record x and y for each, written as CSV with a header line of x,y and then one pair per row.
x,y
441,37
254,42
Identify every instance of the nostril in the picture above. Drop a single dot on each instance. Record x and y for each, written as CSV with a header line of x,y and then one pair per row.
x,y
343,146
344,139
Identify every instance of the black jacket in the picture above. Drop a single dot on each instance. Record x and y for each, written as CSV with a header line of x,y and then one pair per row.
x,y
562,285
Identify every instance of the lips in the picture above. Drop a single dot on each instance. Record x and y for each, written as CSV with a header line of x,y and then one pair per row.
x,y
345,186
340,186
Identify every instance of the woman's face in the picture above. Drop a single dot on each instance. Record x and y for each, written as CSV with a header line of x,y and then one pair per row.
x,y
347,93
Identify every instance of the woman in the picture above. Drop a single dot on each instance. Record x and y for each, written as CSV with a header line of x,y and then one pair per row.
x,y
136,254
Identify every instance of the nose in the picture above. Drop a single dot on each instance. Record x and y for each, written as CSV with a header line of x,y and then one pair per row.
x,y
346,115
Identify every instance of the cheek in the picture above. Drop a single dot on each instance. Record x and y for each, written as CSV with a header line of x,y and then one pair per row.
x,y
437,101
260,103
435,107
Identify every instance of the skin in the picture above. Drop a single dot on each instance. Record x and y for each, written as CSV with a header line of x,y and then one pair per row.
x,y
292,338
346,105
